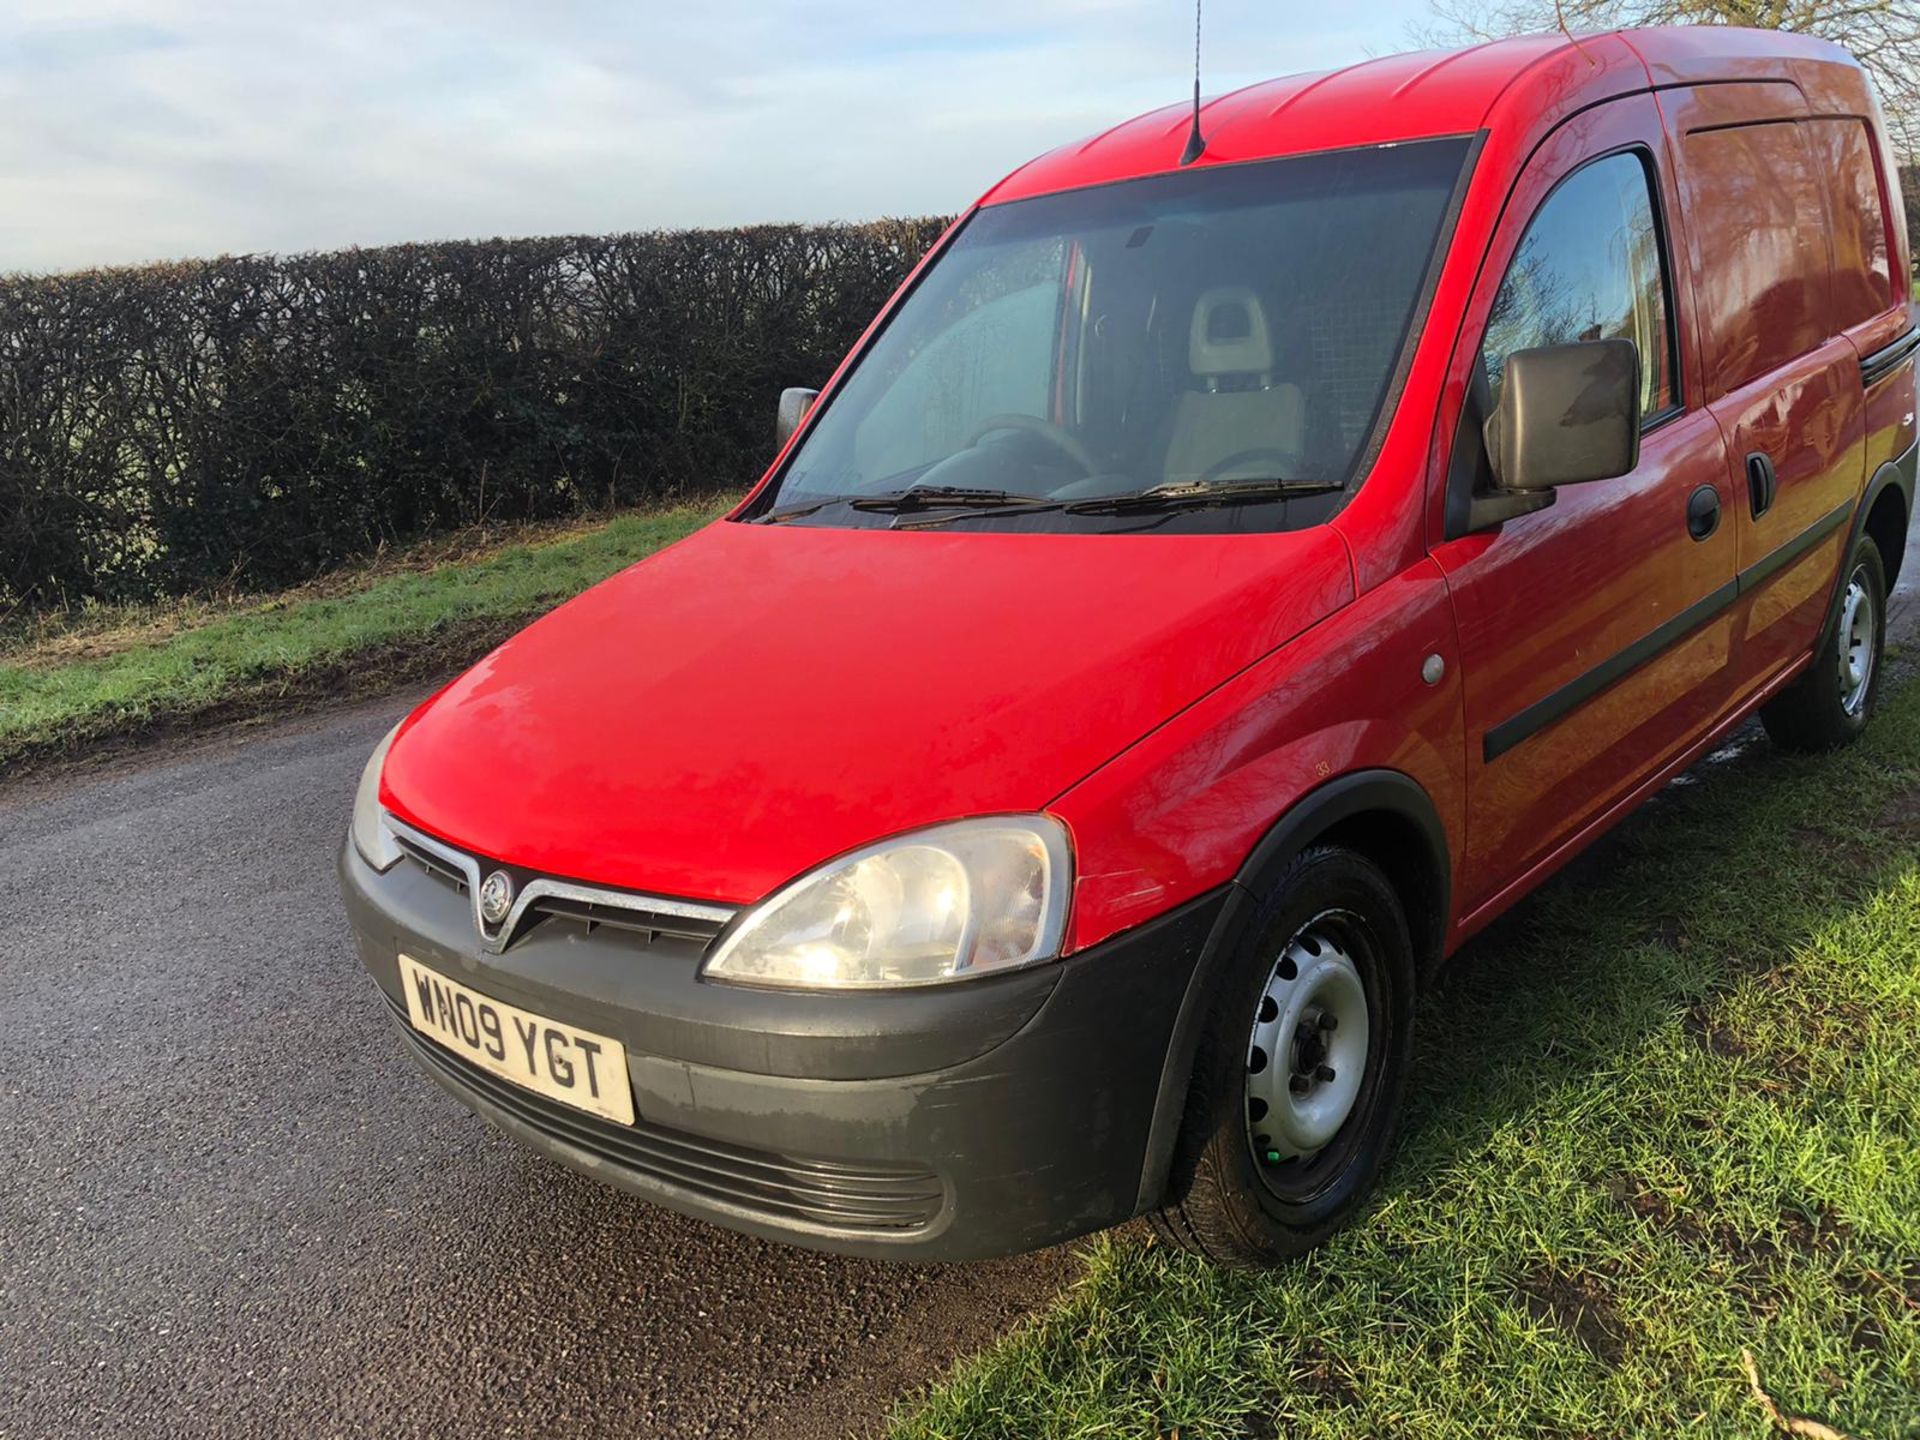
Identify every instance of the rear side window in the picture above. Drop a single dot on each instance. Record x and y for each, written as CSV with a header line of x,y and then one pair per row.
x,y
1590,268
1862,270
1760,222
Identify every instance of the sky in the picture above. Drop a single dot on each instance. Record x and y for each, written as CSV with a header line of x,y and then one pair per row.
x,y
139,130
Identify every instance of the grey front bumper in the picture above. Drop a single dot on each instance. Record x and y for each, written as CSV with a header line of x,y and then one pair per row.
x,y
945,1123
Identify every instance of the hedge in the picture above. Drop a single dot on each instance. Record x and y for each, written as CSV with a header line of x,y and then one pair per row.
x,y
247,422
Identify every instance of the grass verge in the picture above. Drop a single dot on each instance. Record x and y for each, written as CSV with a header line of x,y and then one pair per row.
x,y
110,678
1667,1112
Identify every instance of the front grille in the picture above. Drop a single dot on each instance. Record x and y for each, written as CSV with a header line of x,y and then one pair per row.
x,y
648,923
783,1189
431,863
647,919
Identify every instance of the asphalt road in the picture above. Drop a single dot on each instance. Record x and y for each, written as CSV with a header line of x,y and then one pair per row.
x,y
230,1206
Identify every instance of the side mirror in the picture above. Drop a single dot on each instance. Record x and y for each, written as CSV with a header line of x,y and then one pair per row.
x,y
1568,414
794,405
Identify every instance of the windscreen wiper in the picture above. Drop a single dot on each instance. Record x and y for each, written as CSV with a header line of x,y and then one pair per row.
x,y
794,512
944,497
1182,495
914,499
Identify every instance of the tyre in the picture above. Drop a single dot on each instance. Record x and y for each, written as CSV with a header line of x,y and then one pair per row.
x,y
1300,1073
1829,705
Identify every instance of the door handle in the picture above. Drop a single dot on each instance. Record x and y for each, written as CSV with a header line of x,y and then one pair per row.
x,y
1762,483
1703,512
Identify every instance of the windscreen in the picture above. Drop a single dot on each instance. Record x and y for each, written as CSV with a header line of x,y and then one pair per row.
x,y
1232,326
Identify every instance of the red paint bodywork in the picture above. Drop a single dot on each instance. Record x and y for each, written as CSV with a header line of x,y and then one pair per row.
x,y
755,700
759,698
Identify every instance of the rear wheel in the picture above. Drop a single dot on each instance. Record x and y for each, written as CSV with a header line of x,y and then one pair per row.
x,y
1298,1081
1831,702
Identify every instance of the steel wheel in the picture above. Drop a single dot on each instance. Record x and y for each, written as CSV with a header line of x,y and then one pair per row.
x,y
1829,703
1289,1117
1307,1054
1858,633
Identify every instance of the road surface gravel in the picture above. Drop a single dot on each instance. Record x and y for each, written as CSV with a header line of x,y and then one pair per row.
x,y
230,1205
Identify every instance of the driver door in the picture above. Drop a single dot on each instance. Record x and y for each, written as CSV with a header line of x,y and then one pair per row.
x,y
1595,633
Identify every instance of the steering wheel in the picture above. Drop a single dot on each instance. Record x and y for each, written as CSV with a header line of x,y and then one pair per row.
x,y
1062,440
1242,457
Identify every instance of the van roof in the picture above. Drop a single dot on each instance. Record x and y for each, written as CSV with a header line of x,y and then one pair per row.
x,y
1522,84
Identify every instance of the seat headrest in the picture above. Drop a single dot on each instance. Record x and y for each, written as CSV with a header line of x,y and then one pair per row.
x,y
1230,334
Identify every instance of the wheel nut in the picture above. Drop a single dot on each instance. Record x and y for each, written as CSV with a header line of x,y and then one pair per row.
x,y
1329,1020
1299,1084
1323,1073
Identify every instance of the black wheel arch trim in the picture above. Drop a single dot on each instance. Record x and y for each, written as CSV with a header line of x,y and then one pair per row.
x,y
1361,792
1897,475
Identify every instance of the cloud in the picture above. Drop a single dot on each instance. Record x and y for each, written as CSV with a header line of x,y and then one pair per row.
x,y
143,129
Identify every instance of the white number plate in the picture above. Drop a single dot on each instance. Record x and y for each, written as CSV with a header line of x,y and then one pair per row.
x,y
573,1066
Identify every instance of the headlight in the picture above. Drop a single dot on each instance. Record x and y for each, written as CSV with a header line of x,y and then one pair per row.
x,y
370,834
972,898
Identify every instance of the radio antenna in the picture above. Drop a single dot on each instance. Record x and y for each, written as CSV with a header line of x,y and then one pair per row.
x,y
1196,142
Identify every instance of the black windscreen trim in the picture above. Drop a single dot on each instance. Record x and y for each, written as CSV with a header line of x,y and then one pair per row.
x,y
1576,692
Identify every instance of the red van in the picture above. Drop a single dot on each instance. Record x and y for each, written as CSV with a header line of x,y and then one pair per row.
x,y
1213,589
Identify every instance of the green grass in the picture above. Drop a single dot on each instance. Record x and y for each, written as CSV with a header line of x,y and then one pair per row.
x,y
1668,1110
356,636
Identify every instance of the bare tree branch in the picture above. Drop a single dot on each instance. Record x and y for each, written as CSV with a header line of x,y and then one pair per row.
x,y
1883,34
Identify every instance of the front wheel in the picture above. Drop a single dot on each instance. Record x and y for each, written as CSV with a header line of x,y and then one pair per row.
x,y
1298,1081
1830,704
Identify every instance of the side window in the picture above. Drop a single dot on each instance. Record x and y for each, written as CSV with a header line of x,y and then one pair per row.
x,y
1589,268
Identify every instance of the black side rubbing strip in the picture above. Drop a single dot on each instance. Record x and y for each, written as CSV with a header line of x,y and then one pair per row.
x,y
1888,358
1576,692
1763,570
